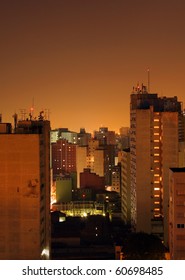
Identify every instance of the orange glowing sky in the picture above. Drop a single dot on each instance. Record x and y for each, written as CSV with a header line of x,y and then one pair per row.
x,y
81,58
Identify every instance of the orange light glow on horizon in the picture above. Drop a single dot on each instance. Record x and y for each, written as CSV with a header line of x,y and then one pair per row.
x,y
81,59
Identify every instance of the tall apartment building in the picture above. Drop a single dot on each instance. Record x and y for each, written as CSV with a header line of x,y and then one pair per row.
x,y
90,156
124,139
177,213
116,178
100,159
25,191
125,186
83,137
92,146
81,161
105,136
155,134
63,157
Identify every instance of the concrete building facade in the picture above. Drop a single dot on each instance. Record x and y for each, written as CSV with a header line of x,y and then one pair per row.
x,y
63,154
25,192
154,147
125,187
177,213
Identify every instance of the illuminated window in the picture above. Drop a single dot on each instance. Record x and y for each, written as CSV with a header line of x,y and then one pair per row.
x,y
156,189
156,133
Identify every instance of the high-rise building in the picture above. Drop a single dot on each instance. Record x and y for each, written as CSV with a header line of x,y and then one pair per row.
x,y
93,145
176,213
155,134
125,186
116,178
105,136
63,157
25,191
124,139
83,137
81,161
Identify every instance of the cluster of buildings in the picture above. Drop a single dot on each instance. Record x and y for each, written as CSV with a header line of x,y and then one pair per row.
x,y
137,176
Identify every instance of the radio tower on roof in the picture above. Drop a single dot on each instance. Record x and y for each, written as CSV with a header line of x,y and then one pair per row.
x,y
32,109
148,71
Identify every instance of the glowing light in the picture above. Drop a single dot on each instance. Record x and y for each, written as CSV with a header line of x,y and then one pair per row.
x,y
45,252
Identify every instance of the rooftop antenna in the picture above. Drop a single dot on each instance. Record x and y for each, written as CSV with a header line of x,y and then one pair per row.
x,y
32,109
15,117
23,114
148,71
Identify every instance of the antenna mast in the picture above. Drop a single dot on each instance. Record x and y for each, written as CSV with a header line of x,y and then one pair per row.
x,y
148,70
32,109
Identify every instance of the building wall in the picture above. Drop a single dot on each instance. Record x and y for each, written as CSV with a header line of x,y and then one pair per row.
x,y
99,162
91,148
54,136
177,213
63,156
116,178
25,158
153,152
81,161
141,176
70,136
169,155
20,197
105,136
63,190
91,180
125,187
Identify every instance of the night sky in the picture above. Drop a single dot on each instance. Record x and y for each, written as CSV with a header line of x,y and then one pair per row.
x,y
80,59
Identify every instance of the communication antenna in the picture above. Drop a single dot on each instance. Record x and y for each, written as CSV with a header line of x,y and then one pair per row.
x,y
148,71
32,109
23,114
15,117
46,114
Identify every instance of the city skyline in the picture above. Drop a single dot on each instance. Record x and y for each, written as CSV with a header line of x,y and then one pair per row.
x,y
80,59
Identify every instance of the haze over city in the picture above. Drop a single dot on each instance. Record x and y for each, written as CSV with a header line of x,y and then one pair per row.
x,y
80,59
